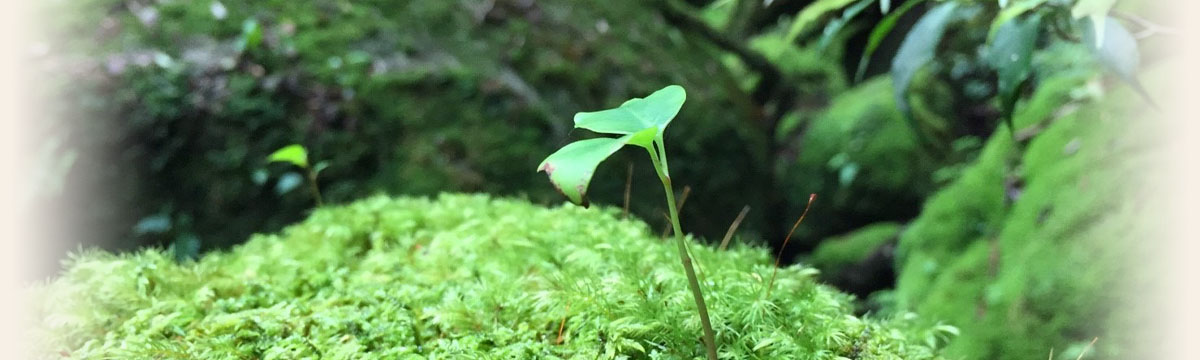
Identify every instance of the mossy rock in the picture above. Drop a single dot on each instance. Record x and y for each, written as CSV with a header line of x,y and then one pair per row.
x,y
460,276
402,97
859,262
1031,248
864,161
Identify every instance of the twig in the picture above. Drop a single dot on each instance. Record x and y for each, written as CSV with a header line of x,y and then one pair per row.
x,y
312,187
682,199
680,17
1089,346
628,187
733,227
771,283
558,340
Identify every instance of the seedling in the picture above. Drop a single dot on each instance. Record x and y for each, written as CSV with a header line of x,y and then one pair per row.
x,y
641,122
296,154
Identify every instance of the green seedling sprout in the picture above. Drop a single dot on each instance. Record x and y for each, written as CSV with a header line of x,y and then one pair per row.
x,y
641,122
296,154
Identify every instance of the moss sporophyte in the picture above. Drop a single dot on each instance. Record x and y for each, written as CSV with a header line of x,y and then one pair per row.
x,y
641,122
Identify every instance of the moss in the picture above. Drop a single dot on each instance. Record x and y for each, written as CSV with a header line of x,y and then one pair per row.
x,y
458,276
864,162
840,251
1035,238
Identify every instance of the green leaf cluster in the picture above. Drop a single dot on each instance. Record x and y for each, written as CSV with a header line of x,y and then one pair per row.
x,y
642,121
459,276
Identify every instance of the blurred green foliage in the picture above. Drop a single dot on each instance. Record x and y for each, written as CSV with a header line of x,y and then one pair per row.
x,y
1042,235
1017,237
400,97
460,276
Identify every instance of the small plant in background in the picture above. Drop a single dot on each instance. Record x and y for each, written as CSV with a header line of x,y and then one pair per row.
x,y
641,122
296,154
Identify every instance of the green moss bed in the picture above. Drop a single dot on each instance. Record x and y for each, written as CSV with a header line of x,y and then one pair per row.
x,y
459,276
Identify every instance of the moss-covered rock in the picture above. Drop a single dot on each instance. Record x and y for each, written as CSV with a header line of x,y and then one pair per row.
x,y
460,276
839,251
864,161
1030,249
859,262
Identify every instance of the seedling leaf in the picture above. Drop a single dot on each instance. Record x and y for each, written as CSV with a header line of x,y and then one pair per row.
x,y
571,168
295,154
637,114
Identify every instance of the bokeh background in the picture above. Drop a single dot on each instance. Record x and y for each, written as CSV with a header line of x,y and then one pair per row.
x,y
165,112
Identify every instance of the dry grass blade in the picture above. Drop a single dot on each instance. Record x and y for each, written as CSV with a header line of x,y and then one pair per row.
x,y
682,199
628,188
559,339
771,283
1085,349
733,227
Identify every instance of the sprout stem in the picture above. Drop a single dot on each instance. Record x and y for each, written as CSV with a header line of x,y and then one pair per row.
x,y
710,344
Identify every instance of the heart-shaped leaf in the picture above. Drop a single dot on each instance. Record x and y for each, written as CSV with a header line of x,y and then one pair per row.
x,y
641,120
571,167
637,114
1011,55
917,49
295,154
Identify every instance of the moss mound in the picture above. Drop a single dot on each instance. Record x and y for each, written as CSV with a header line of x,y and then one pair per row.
x,y
859,262
840,251
865,162
1031,248
462,276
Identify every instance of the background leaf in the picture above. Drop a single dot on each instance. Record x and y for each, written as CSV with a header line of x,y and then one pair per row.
x,y
1010,55
1097,11
655,110
1118,51
295,154
1011,12
811,14
836,25
917,49
880,32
